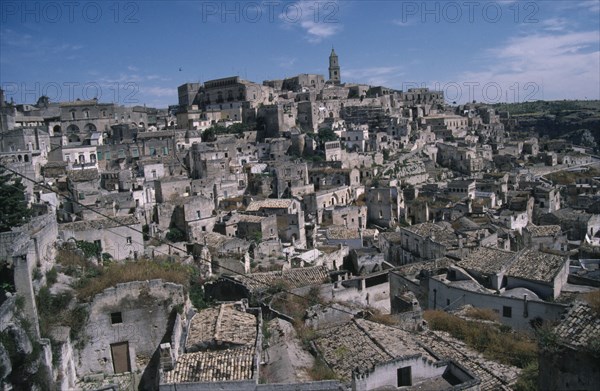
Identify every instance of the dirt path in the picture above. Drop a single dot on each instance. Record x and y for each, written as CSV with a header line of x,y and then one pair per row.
x,y
286,360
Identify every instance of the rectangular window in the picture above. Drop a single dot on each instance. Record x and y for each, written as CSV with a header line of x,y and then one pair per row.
x,y
99,153
404,377
135,152
166,150
152,151
507,312
116,318
129,240
107,155
121,153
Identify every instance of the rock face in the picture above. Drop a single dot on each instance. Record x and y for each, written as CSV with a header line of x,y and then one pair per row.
x,y
5,364
23,346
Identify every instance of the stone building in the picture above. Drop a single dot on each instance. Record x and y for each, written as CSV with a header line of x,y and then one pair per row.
x,y
121,237
222,349
385,206
351,216
290,218
328,177
368,356
576,224
429,241
126,325
315,203
290,178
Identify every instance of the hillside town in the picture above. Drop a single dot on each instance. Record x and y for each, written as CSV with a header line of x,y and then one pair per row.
x,y
296,234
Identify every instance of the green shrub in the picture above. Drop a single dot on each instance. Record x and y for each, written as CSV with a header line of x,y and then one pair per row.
x,y
528,379
321,371
51,276
175,235
37,273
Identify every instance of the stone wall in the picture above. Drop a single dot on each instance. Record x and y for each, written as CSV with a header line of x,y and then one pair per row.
x,y
145,308
522,311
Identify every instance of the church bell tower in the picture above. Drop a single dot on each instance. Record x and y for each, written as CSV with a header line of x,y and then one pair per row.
x,y
334,68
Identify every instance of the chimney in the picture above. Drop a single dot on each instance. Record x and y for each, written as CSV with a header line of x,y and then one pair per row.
x,y
167,361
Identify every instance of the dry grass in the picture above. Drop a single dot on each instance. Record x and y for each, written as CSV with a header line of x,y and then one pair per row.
x,y
506,347
386,319
133,271
482,314
290,305
293,305
593,299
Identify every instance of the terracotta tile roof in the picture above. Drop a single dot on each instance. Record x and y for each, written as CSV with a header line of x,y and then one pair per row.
x,y
86,225
294,278
255,206
220,346
213,366
347,347
536,265
442,233
337,232
243,218
89,174
430,266
543,230
222,325
580,327
361,344
487,260
494,376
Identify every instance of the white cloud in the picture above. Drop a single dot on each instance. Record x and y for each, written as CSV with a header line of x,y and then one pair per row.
x,y
542,66
318,20
591,5
556,24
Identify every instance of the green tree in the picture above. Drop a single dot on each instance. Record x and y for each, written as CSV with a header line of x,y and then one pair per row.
x,y
13,205
238,128
175,235
326,134
209,135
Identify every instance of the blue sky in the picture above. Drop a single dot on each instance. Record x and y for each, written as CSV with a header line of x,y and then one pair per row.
x,y
138,52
